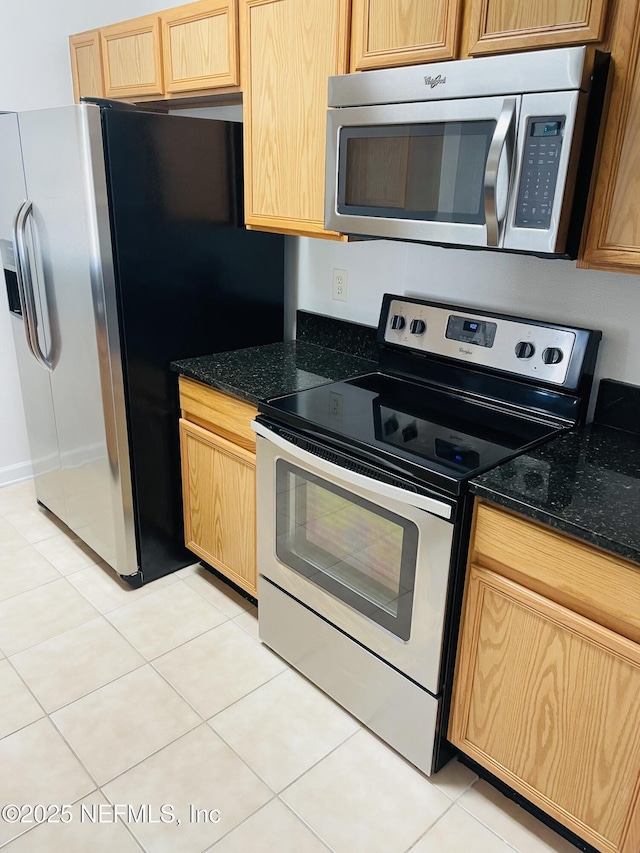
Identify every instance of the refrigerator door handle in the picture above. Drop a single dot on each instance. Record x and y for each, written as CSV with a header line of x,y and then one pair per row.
x,y
25,285
18,243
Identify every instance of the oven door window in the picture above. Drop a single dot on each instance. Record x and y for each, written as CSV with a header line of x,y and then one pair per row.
x,y
361,553
433,171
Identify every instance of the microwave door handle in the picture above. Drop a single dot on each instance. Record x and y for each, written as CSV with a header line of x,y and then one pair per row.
x,y
502,135
330,469
25,286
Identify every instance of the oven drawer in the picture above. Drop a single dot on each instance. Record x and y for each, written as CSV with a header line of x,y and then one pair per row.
x,y
401,713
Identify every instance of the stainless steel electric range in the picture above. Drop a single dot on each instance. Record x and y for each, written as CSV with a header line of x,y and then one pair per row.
x,y
363,504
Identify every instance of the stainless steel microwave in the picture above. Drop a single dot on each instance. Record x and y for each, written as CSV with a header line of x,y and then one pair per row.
x,y
494,152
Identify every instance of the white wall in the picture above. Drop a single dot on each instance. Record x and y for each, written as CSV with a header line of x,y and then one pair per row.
x,y
35,72
552,290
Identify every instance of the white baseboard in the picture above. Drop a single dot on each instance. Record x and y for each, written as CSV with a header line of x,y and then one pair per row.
x,y
15,473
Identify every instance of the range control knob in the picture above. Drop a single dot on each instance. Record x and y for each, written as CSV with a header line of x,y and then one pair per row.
x,y
391,425
418,327
524,349
398,322
410,432
552,355
533,479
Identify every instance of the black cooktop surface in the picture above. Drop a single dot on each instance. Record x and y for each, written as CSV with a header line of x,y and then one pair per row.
x,y
434,435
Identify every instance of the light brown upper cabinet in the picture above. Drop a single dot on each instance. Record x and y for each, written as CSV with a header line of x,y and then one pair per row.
x,y
613,235
132,58
402,32
502,25
288,49
86,65
200,46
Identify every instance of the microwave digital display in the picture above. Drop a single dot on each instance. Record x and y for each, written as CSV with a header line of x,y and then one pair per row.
x,y
545,128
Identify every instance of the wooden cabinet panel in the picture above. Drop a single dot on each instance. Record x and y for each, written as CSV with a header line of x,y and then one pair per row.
x,y
600,586
219,498
132,58
550,703
200,45
86,65
502,25
218,412
612,239
385,33
289,48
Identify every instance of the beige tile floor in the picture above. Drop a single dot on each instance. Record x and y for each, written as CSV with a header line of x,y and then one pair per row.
x,y
129,706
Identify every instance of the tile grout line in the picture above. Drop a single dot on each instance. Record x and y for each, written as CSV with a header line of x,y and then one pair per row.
x,y
300,775
38,508
100,785
60,633
430,827
191,574
179,645
116,579
486,826
171,743
212,847
310,828
95,689
276,797
33,588
331,751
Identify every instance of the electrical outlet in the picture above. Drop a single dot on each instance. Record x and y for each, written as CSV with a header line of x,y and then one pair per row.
x,y
339,289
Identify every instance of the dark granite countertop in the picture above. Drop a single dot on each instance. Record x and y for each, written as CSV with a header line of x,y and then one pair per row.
x,y
585,483
258,373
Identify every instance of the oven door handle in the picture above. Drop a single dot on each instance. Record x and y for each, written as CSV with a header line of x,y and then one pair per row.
x,y
435,507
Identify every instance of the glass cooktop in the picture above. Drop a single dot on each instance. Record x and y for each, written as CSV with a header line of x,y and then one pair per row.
x,y
436,436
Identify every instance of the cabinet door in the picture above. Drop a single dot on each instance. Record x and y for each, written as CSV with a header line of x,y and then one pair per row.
x,y
549,702
502,25
200,46
385,33
131,58
289,49
86,65
219,499
613,234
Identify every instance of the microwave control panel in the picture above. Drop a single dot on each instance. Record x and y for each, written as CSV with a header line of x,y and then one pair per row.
x,y
540,161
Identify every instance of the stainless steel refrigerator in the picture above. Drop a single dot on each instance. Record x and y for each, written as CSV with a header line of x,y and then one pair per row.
x,y
123,248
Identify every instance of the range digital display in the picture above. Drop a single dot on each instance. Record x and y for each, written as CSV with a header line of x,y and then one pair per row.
x,y
469,331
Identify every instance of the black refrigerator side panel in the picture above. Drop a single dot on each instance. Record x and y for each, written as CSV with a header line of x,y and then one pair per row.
x,y
191,281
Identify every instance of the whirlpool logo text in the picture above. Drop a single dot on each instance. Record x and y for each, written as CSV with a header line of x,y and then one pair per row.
x,y
435,81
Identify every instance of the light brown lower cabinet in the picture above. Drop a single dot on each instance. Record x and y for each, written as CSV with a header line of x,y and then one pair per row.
x,y
549,701
218,483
